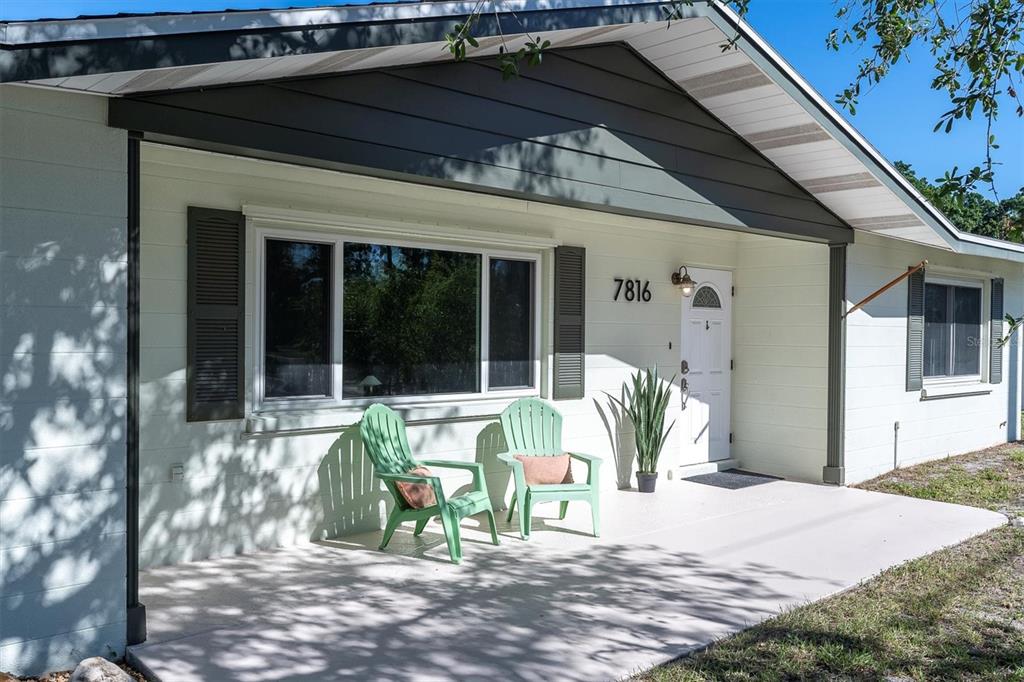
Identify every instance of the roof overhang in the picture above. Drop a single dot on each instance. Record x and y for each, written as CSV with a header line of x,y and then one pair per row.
x,y
752,89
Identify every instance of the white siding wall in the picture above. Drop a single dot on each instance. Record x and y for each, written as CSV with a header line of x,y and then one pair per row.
x,y
781,349
876,395
242,491
62,382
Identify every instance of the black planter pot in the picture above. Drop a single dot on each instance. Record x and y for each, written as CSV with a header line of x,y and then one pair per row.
x,y
645,482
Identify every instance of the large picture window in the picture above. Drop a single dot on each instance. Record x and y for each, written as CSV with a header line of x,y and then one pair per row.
x,y
355,321
952,330
412,321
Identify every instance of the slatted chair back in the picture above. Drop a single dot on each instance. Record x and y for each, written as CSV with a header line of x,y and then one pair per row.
x,y
532,427
384,439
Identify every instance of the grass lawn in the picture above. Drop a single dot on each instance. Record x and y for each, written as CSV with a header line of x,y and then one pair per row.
x,y
992,478
957,614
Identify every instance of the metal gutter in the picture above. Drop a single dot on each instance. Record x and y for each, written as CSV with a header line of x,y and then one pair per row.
x,y
834,471
49,32
65,55
136,611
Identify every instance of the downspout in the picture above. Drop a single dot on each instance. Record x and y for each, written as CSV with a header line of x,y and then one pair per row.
x,y
834,471
136,612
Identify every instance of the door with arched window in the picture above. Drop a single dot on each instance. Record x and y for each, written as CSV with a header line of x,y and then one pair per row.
x,y
706,364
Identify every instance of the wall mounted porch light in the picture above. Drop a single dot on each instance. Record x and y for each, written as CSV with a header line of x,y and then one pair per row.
x,y
681,278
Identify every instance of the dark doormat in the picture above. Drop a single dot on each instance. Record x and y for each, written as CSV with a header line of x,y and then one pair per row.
x,y
732,479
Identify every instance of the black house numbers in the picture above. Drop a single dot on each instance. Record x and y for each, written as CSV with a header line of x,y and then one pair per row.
x,y
632,290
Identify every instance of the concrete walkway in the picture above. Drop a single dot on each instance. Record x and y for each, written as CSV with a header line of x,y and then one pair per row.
x,y
671,572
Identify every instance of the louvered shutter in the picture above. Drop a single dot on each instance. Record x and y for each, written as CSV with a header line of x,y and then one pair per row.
x,y
995,364
915,331
216,314
570,302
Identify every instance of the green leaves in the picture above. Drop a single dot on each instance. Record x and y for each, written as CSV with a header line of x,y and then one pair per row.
x,y
1015,324
456,41
646,405
978,48
532,53
970,210
509,60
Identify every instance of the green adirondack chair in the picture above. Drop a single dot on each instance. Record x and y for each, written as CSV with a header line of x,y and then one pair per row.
x,y
532,427
383,434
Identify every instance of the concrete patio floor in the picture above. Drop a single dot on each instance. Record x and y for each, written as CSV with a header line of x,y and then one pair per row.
x,y
672,571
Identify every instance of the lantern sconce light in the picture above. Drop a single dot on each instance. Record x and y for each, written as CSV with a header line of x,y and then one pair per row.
x,y
681,278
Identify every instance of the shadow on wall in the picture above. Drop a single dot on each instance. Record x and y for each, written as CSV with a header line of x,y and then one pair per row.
x,y
353,499
620,438
62,438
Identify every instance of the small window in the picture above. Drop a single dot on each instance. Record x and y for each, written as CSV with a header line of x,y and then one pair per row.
x,y
510,361
952,330
706,297
297,339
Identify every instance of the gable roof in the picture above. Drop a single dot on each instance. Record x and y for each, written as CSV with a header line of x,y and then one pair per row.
x,y
751,89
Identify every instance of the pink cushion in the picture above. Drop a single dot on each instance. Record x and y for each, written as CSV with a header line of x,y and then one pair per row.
x,y
546,469
417,495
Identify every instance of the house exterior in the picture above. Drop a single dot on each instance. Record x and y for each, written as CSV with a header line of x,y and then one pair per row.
x,y
223,235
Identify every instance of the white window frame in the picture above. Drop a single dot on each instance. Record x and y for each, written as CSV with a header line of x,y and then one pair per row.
x,y
982,286
337,239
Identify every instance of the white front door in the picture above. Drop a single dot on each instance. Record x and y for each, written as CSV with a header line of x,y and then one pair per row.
x,y
706,354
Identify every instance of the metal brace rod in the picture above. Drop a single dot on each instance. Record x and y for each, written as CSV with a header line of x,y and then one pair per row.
x,y
878,292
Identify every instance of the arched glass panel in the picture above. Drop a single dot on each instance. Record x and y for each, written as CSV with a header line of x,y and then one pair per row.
x,y
706,297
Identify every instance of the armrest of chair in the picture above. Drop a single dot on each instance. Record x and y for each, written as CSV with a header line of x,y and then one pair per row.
x,y
476,467
509,459
452,464
593,463
433,481
517,470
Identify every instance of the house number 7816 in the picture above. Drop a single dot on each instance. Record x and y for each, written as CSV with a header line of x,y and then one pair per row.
x,y
632,290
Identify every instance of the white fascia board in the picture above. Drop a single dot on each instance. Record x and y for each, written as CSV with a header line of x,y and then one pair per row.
x,y
960,242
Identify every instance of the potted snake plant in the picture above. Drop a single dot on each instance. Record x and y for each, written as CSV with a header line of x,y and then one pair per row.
x,y
646,403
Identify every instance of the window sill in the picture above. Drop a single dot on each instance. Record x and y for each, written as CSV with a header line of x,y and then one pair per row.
x,y
283,421
955,390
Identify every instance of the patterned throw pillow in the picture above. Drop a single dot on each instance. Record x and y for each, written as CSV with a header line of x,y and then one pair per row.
x,y
546,469
417,495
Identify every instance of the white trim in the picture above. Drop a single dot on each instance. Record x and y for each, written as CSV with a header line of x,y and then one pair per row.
x,y
961,384
337,234
954,390
954,233
291,217
260,401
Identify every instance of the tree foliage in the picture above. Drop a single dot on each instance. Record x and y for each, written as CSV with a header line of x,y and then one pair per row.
x,y
974,212
978,48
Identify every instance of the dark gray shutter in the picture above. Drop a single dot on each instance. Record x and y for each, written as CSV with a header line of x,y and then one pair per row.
x,y
570,302
995,365
216,314
915,331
